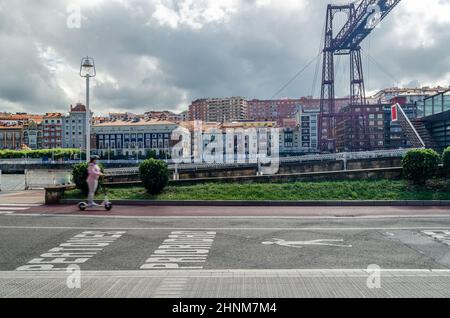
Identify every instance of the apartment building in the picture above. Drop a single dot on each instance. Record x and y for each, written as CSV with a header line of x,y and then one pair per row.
x,y
11,137
74,127
184,116
133,137
32,134
52,131
284,111
219,110
273,110
408,95
308,125
361,128
198,110
162,115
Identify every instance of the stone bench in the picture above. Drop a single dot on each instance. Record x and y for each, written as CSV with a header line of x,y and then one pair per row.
x,y
54,194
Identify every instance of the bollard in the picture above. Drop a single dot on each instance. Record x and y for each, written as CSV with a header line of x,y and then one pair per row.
x,y
176,175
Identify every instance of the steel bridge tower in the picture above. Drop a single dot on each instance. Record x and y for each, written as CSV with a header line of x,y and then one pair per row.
x,y
362,17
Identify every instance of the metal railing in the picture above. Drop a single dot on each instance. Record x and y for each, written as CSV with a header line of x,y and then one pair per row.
x,y
409,128
400,153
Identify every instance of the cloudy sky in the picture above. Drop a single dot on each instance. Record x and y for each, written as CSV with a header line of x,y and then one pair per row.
x,y
162,54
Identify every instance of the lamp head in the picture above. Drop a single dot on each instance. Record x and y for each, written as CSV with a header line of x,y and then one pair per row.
x,y
87,68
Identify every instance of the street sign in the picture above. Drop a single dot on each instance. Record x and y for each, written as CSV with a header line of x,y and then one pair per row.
x,y
394,113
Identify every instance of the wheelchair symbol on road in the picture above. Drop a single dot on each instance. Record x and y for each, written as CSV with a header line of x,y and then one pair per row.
x,y
301,244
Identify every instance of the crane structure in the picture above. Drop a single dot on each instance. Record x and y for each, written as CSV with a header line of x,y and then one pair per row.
x,y
363,17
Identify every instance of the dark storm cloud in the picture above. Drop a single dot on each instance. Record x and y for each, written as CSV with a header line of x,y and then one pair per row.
x,y
243,47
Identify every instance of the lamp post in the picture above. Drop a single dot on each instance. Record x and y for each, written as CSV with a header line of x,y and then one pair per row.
x,y
87,70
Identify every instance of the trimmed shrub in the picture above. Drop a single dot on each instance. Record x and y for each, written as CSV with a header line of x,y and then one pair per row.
x,y
38,154
420,165
154,175
446,162
80,174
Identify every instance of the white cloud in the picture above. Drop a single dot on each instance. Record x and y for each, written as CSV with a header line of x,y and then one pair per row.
x,y
194,13
165,53
284,5
416,22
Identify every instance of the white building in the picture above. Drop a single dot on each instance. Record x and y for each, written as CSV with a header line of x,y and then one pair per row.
x,y
74,127
133,137
308,124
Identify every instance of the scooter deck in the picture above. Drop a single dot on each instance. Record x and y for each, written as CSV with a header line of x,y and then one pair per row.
x,y
83,206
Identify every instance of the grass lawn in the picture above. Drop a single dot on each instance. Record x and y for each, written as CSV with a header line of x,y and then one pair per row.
x,y
314,191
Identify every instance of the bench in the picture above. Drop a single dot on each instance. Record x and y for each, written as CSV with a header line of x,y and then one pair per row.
x,y
54,194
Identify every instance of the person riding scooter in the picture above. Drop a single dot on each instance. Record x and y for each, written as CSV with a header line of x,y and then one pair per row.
x,y
94,173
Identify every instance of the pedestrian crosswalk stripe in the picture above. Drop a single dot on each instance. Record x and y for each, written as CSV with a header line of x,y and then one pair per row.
x,y
30,205
11,208
15,208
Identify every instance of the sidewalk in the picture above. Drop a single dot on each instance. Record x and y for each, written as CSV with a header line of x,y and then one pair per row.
x,y
22,197
229,284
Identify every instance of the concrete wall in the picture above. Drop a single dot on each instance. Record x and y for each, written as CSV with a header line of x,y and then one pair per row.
x,y
371,174
374,163
327,170
295,168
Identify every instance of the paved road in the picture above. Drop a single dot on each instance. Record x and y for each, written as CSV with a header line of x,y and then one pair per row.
x,y
202,211
218,256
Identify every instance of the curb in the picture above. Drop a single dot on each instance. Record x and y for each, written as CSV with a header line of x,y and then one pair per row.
x,y
275,203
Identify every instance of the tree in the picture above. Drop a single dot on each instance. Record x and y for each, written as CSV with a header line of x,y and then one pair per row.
x,y
446,162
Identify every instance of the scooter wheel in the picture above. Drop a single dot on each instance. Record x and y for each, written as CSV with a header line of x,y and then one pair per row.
x,y
108,206
82,206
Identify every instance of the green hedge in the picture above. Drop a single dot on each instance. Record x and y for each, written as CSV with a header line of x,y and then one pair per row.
x,y
154,175
38,154
421,165
446,162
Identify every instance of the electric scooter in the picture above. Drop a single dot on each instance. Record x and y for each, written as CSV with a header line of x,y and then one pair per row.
x,y
106,204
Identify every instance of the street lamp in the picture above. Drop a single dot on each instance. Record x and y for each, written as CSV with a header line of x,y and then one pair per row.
x,y
87,70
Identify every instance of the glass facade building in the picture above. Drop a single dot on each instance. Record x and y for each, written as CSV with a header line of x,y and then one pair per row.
x,y
435,113
434,104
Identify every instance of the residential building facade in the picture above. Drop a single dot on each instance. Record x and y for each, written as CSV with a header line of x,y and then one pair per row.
x,y
308,126
32,134
361,128
52,131
133,138
74,127
219,110
11,137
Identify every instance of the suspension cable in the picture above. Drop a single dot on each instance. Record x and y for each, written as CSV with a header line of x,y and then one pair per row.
x,y
295,77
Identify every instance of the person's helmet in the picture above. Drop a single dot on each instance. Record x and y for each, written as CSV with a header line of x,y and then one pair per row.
x,y
95,157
